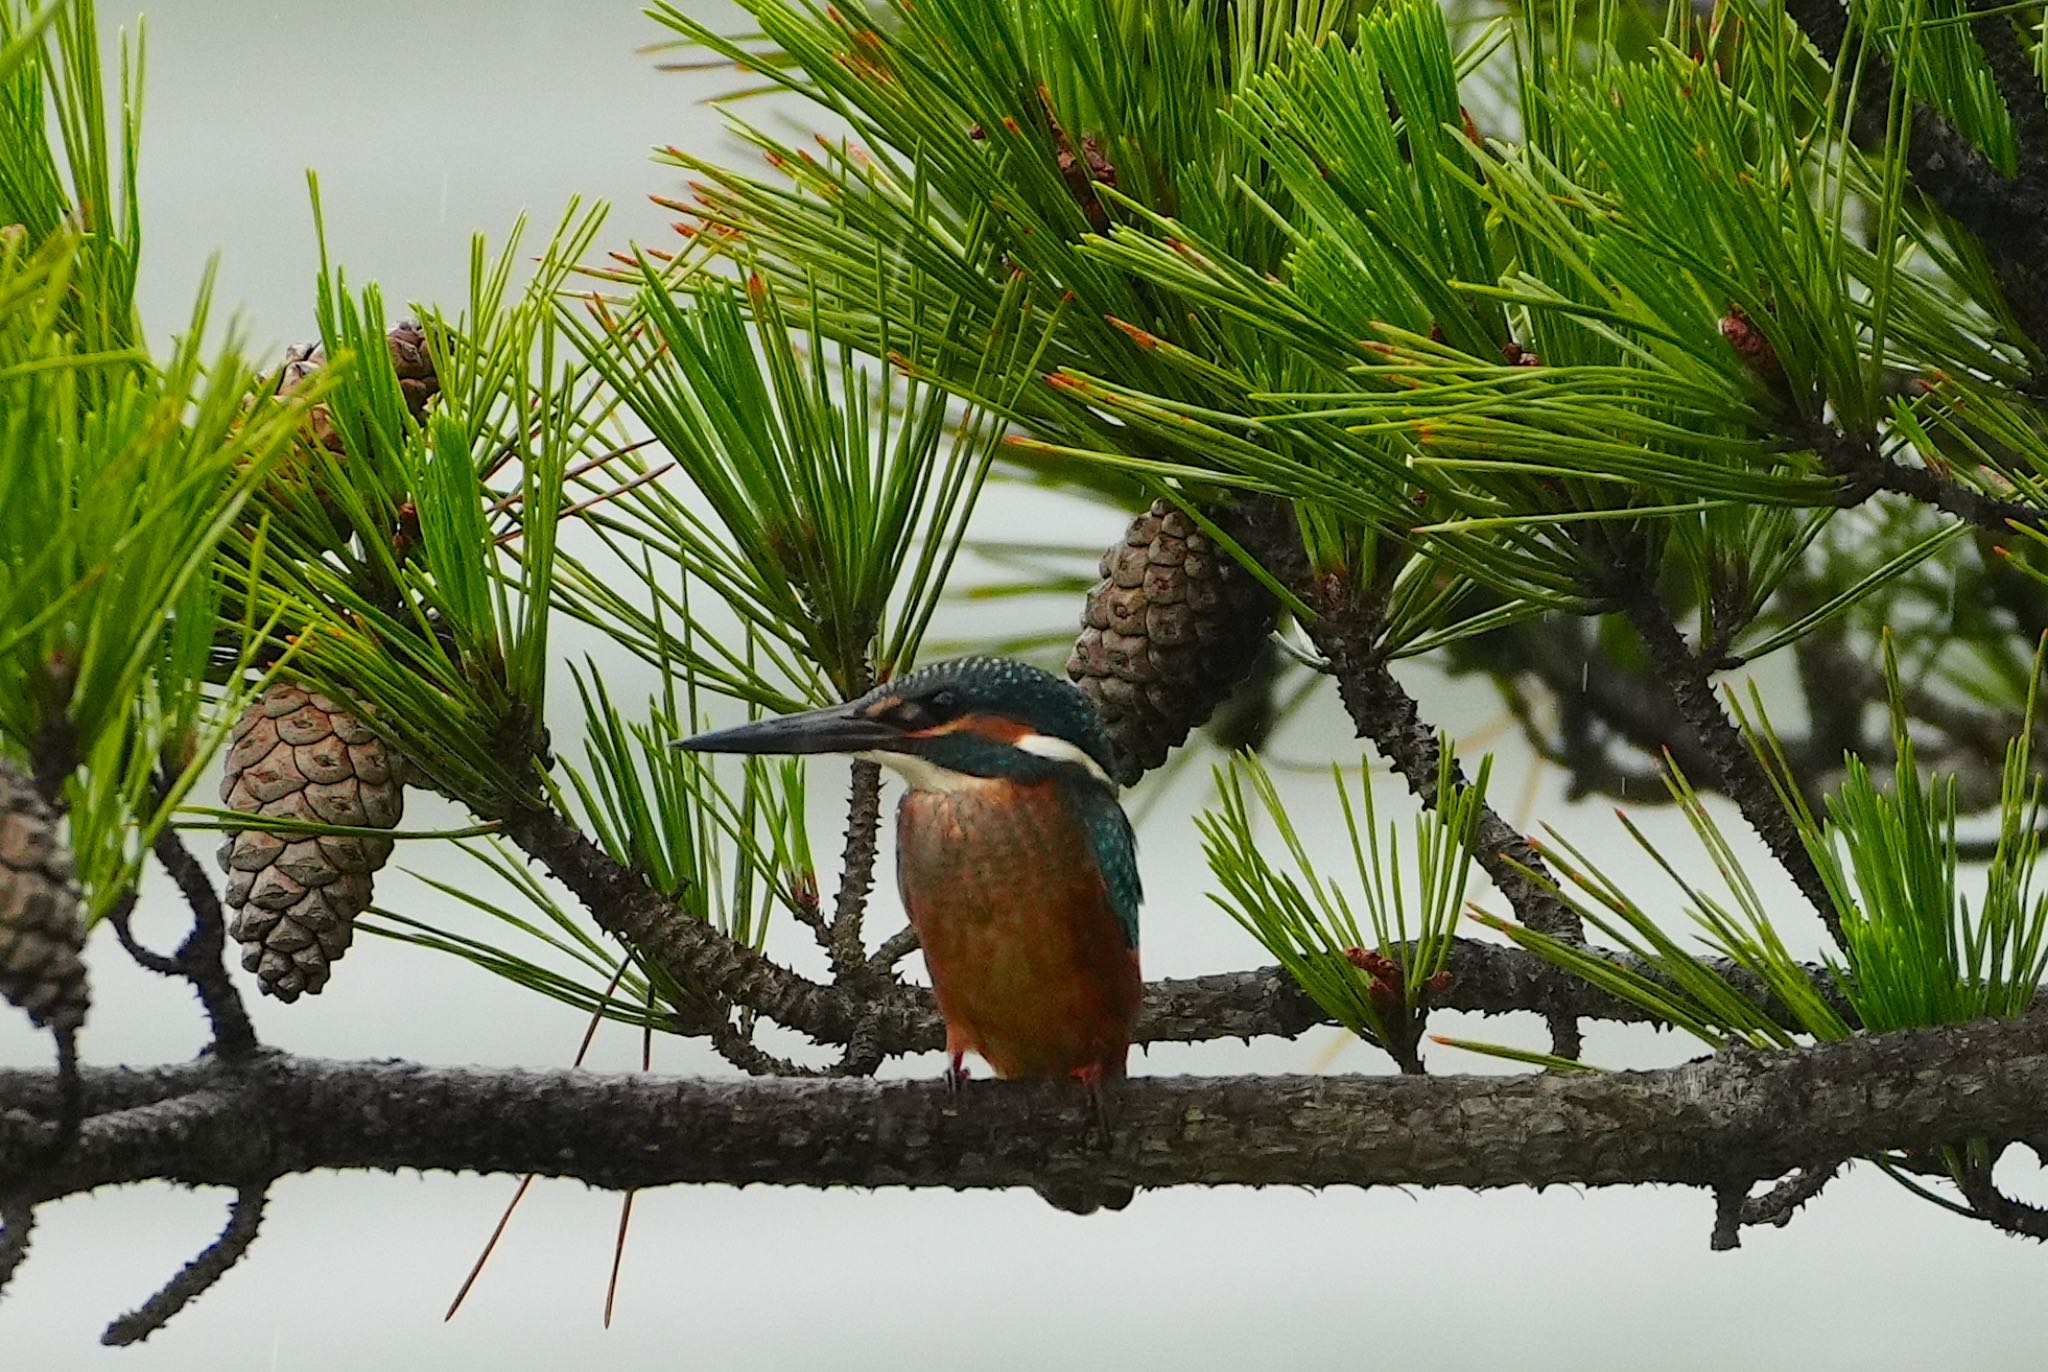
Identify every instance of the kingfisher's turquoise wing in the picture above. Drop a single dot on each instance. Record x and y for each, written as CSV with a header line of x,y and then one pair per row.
x,y
1116,851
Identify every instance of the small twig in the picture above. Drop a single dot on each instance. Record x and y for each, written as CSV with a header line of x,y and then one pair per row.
x,y
124,934
1997,1209
805,909
894,949
199,1275
70,1095
857,871
737,1047
1776,1206
17,1224
201,958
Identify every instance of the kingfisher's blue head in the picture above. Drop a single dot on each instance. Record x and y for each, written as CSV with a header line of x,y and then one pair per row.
x,y
947,725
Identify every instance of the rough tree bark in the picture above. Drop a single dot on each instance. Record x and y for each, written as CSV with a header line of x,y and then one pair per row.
x,y
1728,1121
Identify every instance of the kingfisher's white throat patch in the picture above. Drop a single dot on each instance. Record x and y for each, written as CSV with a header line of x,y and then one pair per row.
x,y
922,774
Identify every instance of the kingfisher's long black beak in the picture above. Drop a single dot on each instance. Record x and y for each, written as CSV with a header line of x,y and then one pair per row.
x,y
836,729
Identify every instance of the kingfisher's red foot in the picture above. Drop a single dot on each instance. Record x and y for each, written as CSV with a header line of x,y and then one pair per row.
x,y
955,1075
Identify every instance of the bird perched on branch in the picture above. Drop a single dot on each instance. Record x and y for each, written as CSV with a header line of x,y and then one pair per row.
x,y
1016,864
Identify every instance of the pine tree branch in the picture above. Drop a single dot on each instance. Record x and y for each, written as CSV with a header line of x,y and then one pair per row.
x,y
201,958
2008,214
856,872
1486,978
695,954
1346,633
1386,714
245,1217
1776,1206
1870,471
2019,85
1739,775
1729,1120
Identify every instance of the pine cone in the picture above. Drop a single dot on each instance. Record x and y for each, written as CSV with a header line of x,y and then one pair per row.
x,y
417,380
40,931
297,755
1174,624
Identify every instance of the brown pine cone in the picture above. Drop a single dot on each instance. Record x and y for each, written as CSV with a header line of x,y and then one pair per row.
x,y
40,930
1174,624
296,754
417,380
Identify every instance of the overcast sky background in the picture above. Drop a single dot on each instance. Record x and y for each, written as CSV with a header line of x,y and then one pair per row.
x,y
431,119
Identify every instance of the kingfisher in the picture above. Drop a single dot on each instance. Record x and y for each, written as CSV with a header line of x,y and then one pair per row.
x,y
1016,863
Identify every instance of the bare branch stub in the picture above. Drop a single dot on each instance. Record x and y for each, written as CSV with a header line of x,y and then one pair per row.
x,y
1728,1200
245,1217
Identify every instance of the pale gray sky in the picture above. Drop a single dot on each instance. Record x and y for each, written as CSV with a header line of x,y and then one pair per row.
x,y
428,120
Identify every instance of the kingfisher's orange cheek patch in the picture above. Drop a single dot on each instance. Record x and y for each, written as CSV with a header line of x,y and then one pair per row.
x,y
883,708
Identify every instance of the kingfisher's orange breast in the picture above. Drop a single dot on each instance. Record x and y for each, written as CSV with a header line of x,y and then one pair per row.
x,y
1028,961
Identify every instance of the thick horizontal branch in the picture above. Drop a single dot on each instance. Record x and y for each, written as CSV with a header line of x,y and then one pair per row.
x,y
1717,1122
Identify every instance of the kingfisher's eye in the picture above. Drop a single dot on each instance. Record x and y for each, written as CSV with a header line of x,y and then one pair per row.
x,y
927,712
